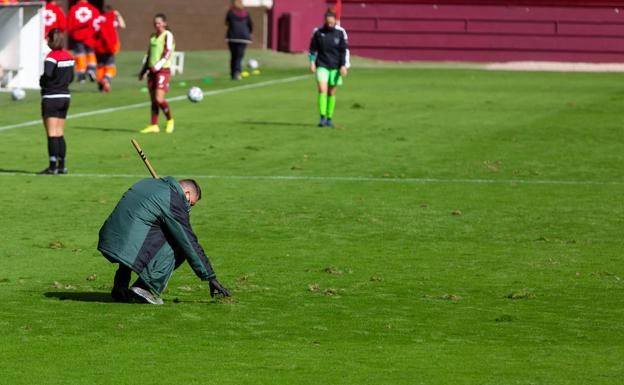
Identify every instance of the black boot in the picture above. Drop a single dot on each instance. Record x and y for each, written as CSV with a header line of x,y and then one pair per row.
x,y
120,291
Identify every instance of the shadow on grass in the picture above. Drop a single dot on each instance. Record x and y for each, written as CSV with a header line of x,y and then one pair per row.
x,y
8,171
104,129
80,296
288,124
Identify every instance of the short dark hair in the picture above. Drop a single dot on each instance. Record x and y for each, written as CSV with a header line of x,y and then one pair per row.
x,y
331,12
56,39
195,185
161,16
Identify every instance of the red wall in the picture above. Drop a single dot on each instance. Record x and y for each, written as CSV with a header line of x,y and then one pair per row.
x,y
304,16
483,30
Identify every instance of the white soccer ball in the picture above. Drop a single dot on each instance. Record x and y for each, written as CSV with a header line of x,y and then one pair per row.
x,y
195,94
18,94
253,64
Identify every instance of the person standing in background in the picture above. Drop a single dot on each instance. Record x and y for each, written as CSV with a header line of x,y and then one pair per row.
x,y
80,27
53,17
57,74
238,36
329,59
107,46
157,66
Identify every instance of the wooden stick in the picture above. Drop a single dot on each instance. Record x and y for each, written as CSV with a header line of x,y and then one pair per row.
x,y
142,155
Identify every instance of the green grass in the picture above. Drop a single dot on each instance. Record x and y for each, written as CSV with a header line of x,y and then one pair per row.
x,y
337,281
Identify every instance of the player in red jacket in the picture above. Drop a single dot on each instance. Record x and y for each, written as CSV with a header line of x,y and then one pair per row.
x,y
107,45
54,17
80,27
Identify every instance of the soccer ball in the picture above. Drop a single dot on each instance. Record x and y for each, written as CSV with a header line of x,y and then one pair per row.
x,y
253,64
195,94
18,94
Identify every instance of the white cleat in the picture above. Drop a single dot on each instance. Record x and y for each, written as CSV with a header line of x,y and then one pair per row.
x,y
146,296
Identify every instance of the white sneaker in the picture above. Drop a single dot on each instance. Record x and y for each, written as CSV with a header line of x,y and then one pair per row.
x,y
146,295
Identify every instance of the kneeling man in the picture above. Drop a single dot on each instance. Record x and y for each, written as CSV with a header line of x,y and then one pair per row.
x,y
149,232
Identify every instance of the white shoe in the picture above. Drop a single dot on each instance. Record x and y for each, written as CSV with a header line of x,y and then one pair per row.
x,y
146,295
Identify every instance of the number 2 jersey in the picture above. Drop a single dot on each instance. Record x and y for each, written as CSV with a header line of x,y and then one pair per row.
x,y
58,72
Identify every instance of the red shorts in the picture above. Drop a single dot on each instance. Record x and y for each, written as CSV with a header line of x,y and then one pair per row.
x,y
159,80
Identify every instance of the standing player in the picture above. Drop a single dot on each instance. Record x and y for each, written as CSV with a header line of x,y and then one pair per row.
x,y
53,17
58,73
329,58
238,36
156,65
107,46
80,28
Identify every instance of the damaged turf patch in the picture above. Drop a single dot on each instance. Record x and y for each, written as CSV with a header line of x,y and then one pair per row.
x,y
336,271
314,287
329,292
521,294
444,297
504,318
492,165
605,274
556,240
67,286
55,245
333,292
185,288
243,282
225,300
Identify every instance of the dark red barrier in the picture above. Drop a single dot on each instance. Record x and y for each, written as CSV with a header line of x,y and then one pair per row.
x,y
542,3
485,31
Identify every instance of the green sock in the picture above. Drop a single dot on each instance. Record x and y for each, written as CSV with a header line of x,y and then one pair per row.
x,y
322,104
331,104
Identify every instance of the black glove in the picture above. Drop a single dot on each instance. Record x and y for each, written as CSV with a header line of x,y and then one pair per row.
x,y
216,288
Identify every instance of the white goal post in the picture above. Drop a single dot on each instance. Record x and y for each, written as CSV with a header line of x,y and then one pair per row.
x,y
22,47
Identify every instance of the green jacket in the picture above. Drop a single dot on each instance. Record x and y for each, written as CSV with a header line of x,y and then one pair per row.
x,y
149,229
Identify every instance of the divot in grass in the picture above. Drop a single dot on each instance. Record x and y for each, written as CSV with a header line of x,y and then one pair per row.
x,y
336,271
56,245
444,297
226,300
330,292
521,294
314,287
357,106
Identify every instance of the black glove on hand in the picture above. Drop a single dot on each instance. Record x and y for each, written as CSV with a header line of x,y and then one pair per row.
x,y
216,288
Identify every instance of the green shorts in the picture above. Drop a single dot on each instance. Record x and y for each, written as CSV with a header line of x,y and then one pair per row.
x,y
329,75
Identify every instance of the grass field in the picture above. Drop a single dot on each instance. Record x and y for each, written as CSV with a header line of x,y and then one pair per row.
x,y
458,227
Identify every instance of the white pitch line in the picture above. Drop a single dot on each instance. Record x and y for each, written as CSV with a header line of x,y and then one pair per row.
x,y
173,99
349,179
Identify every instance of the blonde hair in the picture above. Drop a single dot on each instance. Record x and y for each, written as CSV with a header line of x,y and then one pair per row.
x,y
238,4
